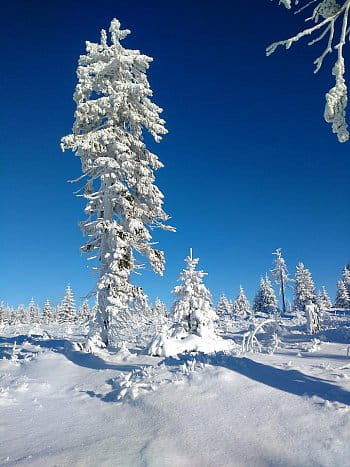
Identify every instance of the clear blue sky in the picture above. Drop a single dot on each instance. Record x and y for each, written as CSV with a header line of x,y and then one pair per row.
x,y
250,164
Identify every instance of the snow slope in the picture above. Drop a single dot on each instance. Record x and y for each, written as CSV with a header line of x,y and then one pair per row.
x,y
60,407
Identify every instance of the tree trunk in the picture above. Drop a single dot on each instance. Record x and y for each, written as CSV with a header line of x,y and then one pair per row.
x,y
283,297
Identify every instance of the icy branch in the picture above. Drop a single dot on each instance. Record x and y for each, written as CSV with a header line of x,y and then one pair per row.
x,y
325,15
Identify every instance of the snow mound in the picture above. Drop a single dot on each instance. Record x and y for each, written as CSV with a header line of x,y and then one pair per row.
x,y
165,345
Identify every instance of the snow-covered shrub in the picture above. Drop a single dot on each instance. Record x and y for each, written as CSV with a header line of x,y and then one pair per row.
x,y
312,317
250,342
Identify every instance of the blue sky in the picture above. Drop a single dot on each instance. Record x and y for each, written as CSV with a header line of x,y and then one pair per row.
x,y
250,165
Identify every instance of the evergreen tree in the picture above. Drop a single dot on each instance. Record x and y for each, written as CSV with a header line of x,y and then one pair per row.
x,y
48,314
159,308
193,308
33,312
21,315
304,288
322,300
114,109
85,313
67,310
265,300
280,274
224,307
346,279
342,299
5,314
13,316
241,306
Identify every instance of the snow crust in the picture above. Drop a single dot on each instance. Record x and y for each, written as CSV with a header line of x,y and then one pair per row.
x,y
63,407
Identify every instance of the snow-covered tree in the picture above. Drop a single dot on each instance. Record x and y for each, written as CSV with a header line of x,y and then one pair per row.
x,y
346,278
48,313
5,314
193,308
265,300
342,299
241,306
159,308
280,274
114,109
322,300
84,313
331,18
224,307
21,315
313,324
304,288
67,309
13,318
33,312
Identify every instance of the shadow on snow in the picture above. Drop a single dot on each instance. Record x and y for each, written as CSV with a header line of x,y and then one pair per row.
x,y
62,346
290,381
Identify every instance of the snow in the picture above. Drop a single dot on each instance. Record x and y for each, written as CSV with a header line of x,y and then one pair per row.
x,y
60,406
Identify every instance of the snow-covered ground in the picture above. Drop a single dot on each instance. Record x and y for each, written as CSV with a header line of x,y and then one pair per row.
x,y
62,407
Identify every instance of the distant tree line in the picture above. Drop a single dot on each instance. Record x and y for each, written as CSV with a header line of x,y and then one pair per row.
x,y
265,300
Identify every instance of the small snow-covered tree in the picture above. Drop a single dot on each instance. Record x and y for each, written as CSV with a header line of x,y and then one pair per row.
x,y
342,299
67,309
114,110
281,276
48,314
331,20
312,317
5,314
322,300
265,300
304,288
224,307
193,309
33,312
346,279
159,308
84,313
241,306
21,315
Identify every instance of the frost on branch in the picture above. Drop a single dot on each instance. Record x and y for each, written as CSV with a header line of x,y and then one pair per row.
x,y
114,110
331,20
336,103
286,3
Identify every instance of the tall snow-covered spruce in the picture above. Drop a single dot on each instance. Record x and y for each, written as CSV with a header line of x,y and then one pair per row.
x,y
114,109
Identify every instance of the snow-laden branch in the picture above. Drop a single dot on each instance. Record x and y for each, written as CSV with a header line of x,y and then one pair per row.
x,y
331,19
